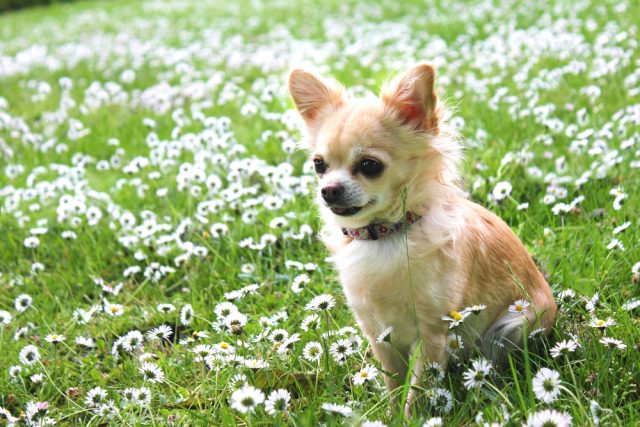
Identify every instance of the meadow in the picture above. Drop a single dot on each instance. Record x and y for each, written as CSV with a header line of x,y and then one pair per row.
x,y
159,259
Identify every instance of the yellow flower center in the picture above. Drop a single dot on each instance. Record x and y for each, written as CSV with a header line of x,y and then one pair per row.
x,y
364,374
454,344
455,315
54,337
114,309
224,345
519,307
600,322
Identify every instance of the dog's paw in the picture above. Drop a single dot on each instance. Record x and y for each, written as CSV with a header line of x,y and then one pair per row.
x,y
407,410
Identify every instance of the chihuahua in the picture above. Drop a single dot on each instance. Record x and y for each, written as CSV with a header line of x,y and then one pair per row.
x,y
411,250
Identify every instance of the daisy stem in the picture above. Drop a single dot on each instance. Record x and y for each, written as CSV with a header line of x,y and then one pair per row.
x,y
604,369
327,342
573,377
500,393
575,398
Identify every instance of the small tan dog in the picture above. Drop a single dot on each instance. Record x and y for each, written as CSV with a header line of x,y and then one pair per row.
x,y
409,247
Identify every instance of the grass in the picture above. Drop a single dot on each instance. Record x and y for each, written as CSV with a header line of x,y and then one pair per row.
x,y
205,62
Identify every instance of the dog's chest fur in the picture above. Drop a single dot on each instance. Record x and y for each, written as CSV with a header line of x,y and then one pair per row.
x,y
387,288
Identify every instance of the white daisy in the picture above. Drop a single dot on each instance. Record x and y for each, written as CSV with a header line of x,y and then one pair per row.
x,y
201,351
312,351
501,191
278,401
454,343
632,304
255,363
596,412
134,340
592,303
5,317
29,355
548,418
567,295
20,332
113,309
215,362
87,342
246,399
622,227
237,381
278,335
299,283
613,343
310,323
15,371
537,332
340,350
475,309
223,347
546,385
343,410
224,309
385,336
433,422
186,315
477,375
151,372
442,399
8,417
162,332
519,306
95,396
368,373
601,324
563,347
54,338
456,318
435,369
130,394
166,308
144,395
321,303
22,302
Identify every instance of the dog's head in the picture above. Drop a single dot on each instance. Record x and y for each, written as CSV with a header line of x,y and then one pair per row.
x,y
370,154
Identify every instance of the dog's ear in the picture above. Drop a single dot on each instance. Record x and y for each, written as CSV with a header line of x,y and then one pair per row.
x,y
313,95
413,97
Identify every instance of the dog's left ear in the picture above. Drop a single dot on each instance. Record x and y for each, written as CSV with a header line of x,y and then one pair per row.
x,y
413,97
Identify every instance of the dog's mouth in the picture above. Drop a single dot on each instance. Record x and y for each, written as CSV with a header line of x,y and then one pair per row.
x,y
346,211
349,211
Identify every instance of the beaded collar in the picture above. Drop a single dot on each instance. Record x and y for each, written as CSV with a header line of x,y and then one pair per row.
x,y
379,229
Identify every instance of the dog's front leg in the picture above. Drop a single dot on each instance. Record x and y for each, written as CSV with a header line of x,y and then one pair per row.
x,y
392,363
433,349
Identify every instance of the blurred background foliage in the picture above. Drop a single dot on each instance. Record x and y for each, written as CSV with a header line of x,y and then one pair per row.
x,y
6,5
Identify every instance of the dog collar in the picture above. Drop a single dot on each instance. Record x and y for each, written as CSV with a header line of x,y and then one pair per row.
x,y
378,229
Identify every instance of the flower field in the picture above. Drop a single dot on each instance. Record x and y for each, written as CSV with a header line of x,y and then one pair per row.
x,y
159,259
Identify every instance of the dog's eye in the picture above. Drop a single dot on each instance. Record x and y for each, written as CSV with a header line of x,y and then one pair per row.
x,y
320,166
370,168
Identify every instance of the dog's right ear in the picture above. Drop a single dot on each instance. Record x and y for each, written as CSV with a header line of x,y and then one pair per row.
x,y
314,95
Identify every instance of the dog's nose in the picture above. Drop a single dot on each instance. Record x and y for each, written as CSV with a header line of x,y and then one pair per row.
x,y
331,193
